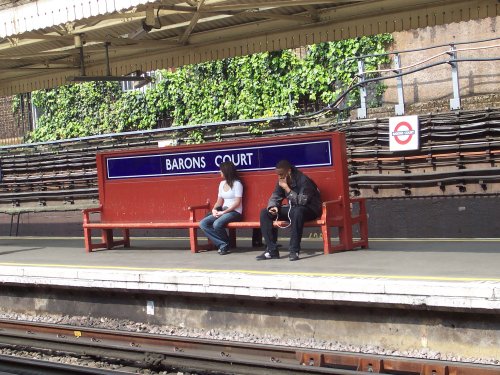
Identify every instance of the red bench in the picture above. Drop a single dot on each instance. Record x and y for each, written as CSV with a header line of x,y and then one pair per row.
x,y
170,187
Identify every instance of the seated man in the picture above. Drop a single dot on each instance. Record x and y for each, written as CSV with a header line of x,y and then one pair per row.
x,y
304,204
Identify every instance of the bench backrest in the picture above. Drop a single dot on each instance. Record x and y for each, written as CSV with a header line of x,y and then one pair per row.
x,y
155,185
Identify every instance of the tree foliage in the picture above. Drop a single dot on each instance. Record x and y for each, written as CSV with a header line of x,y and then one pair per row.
x,y
255,86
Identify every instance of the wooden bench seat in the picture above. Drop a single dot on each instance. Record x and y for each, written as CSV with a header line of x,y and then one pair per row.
x,y
139,190
326,221
106,228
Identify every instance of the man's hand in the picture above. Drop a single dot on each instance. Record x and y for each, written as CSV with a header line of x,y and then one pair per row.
x,y
284,184
273,211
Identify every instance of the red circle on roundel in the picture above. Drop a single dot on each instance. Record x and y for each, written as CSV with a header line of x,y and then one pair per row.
x,y
396,137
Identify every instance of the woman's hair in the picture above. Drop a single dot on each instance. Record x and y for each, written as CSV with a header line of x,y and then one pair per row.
x,y
229,172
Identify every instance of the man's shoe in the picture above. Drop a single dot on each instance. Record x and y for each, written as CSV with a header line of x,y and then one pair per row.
x,y
293,256
223,251
268,255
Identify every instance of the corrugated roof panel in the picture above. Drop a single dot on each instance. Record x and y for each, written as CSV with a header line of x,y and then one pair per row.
x,y
215,36
46,13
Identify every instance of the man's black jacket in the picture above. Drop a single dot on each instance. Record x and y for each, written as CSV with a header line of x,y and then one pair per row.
x,y
300,185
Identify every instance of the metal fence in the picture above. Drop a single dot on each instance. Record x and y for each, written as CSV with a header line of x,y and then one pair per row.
x,y
452,55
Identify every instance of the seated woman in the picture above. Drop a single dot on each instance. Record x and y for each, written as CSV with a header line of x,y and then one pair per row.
x,y
228,208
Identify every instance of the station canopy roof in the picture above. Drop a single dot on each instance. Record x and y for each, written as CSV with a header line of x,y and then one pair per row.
x,y
43,42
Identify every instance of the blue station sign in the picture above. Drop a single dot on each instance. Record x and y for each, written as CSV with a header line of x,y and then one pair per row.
x,y
302,154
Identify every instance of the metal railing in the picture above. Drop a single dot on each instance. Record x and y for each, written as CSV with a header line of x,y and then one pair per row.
x,y
399,71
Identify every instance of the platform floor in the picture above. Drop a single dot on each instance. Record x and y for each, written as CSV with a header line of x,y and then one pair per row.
x,y
437,273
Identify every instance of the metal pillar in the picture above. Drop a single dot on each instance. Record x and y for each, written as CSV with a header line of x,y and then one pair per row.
x,y
106,48
362,90
400,107
78,39
12,223
455,101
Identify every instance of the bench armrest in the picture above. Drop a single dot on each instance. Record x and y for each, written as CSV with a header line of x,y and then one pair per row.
x,y
192,210
332,202
199,207
327,204
87,211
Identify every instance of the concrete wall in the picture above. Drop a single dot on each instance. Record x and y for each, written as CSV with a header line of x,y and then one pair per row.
x,y
430,217
393,330
476,78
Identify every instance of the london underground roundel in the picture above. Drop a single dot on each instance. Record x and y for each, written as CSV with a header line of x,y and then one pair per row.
x,y
403,133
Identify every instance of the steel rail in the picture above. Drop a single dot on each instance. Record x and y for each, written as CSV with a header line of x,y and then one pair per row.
x,y
47,194
242,358
400,181
25,366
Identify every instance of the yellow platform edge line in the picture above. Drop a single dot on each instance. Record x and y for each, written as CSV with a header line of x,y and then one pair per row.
x,y
378,239
253,272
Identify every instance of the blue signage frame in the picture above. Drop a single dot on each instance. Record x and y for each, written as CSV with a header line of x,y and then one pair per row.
x,y
314,153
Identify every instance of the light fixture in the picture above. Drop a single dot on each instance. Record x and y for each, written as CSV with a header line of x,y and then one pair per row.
x,y
146,25
140,32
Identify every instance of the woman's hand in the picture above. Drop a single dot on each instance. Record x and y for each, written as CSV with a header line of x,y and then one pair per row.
x,y
218,213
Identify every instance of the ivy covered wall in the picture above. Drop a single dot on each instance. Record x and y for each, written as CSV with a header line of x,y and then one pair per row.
x,y
255,86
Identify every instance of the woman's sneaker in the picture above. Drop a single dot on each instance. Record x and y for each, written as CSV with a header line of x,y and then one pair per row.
x,y
268,255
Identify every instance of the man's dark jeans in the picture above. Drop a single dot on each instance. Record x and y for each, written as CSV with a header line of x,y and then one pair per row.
x,y
298,215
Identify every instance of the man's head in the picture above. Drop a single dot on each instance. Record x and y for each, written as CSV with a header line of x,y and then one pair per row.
x,y
283,169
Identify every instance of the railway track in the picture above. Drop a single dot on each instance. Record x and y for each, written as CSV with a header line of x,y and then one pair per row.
x,y
158,353
24,366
